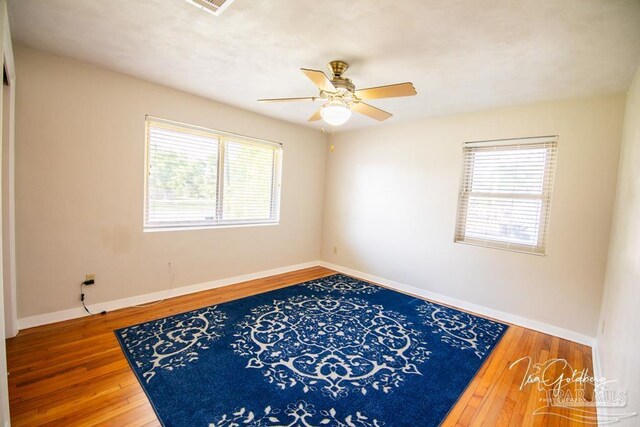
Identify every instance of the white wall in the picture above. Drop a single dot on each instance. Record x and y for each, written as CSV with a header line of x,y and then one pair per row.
x,y
618,336
391,199
79,189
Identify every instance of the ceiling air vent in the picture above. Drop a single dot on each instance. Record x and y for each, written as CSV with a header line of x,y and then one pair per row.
x,y
212,6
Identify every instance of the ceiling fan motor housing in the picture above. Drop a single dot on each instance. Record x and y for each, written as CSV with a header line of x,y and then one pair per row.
x,y
343,83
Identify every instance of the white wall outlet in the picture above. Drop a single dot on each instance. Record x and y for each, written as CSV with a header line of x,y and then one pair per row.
x,y
90,276
335,250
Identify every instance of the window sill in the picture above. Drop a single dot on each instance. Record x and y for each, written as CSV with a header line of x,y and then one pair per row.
x,y
206,227
502,247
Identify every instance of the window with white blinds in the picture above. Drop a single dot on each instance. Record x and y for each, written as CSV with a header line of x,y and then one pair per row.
x,y
198,177
505,194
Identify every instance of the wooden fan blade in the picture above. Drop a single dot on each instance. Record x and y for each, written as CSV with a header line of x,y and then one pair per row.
x,y
389,91
308,98
371,111
316,116
319,79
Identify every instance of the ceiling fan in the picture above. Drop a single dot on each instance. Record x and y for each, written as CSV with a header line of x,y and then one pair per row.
x,y
340,96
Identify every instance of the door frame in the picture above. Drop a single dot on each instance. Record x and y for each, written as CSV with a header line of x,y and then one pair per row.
x,y
8,214
7,55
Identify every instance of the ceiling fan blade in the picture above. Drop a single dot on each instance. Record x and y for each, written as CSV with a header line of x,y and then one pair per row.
x,y
316,116
319,79
389,91
308,98
371,111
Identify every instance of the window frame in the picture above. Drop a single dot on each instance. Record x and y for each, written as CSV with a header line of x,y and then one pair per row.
x,y
544,219
222,137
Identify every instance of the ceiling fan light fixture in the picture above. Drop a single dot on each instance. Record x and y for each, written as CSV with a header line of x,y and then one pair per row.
x,y
335,113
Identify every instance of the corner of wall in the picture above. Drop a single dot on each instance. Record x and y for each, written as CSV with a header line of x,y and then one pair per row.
x,y
329,150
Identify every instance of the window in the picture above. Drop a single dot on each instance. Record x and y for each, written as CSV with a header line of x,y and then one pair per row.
x,y
505,194
198,177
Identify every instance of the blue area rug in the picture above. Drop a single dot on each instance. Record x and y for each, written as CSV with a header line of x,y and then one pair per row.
x,y
330,352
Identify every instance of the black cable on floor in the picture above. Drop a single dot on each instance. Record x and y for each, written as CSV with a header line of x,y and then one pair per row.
x,y
85,283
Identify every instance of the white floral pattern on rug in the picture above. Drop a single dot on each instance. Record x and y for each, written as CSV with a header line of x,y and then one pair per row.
x,y
461,330
333,344
172,342
342,284
299,414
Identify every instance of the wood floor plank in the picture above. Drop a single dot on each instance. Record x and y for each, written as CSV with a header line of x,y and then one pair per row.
x,y
74,372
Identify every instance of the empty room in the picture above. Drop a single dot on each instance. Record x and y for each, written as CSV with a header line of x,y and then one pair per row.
x,y
296,213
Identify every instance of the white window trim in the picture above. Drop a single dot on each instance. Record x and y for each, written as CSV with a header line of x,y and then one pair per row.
x,y
222,137
546,198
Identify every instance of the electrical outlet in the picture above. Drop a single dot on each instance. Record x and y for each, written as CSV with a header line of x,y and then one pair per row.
x,y
604,324
90,276
335,250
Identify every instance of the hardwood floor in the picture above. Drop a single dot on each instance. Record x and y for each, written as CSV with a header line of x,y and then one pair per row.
x,y
74,372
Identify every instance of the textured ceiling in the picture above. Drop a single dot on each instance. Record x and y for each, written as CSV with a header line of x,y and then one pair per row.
x,y
462,55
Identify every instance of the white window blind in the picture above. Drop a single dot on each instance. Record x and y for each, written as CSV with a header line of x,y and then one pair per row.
x,y
198,177
505,194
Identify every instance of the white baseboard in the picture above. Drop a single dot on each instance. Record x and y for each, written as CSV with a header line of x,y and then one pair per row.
x,y
73,313
467,306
